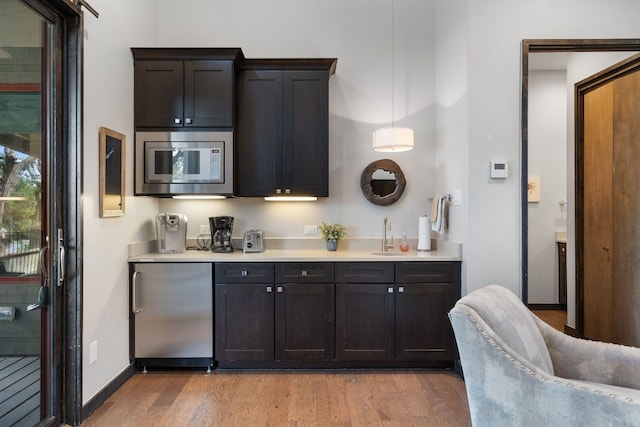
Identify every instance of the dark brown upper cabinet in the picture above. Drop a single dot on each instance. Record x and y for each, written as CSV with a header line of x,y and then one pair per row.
x,y
283,127
184,87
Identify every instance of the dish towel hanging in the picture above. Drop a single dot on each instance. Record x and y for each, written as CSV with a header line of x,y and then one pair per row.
x,y
439,213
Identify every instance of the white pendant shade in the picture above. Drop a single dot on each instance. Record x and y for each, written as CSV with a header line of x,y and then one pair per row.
x,y
393,139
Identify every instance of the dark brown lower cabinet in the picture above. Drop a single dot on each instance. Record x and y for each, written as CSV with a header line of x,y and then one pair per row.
x,y
262,317
304,322
402,319
365,321
423,331
335,314
244,322
426,291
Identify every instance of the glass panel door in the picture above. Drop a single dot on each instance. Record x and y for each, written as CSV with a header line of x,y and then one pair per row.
x,y
24,314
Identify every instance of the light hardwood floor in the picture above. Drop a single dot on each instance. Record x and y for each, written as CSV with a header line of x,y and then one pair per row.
x,y
555,318
285,398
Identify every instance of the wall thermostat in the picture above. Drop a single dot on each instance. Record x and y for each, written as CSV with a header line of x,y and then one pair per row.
x,y
499,170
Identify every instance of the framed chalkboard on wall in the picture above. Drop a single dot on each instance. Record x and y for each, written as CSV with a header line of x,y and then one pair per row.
x,y
112,172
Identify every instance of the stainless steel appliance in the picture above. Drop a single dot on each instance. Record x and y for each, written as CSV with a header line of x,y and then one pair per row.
x,y
253,241
172,306
183,163
221,229
171,231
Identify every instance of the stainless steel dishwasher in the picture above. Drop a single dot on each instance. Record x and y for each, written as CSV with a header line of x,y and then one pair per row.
x,y
172,314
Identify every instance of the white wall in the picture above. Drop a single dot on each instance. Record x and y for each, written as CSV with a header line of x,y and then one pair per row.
x,y
452,114
547,112
108,101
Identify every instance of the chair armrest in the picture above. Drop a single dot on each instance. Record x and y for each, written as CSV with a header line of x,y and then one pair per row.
x,y
591,361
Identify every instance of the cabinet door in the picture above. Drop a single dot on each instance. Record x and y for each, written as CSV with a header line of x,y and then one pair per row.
x,y
260,133
244,322
423,331
208,93
365,321
158,94
304,322
306,133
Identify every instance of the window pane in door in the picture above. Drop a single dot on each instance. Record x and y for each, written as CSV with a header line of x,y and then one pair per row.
x,y
22,49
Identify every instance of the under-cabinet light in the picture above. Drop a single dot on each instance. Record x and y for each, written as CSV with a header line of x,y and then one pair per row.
x,y
197,197
291,198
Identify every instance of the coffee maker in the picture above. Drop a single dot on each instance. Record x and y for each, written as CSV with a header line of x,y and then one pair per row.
x,y
171,231
221,228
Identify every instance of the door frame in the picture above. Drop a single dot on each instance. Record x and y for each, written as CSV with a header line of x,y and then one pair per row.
x,y
65,130
548,45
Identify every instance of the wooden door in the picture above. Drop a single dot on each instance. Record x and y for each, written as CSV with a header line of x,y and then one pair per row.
x,y
598,215
608,205
626,209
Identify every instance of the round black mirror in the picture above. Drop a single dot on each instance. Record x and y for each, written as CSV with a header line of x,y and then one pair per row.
x,y
382,182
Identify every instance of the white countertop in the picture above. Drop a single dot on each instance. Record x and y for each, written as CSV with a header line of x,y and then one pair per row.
x,y
444,251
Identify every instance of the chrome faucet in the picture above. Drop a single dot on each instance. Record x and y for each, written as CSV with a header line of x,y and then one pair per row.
x,y
386,223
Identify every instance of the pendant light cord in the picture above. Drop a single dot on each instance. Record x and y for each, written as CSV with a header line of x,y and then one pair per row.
x,y
393,65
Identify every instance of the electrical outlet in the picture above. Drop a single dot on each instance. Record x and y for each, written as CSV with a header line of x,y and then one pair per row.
x,y
93,352
204,229
311,230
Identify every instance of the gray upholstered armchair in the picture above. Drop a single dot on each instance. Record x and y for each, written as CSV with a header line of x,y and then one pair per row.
x,y
519,371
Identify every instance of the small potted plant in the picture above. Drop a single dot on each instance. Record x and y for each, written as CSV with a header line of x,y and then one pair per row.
x,y
331,233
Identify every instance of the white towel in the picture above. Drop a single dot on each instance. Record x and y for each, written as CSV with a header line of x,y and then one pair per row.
x,y
439,213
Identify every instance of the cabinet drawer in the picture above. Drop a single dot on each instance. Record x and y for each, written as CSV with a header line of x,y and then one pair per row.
x,y
255,272
304,272
365,272
426,272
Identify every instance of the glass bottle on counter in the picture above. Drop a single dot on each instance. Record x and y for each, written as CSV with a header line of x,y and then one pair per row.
x,y
404,246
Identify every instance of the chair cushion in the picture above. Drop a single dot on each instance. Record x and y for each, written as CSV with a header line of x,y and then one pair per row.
x,y
512,322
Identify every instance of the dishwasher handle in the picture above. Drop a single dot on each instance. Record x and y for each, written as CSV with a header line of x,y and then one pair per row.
x,y
134,286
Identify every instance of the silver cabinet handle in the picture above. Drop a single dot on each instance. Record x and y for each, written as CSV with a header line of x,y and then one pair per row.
x,y
400,289
269,289
279,289
244,273
287,191
177,121
305,273
134,286
278,190
389,290
188,120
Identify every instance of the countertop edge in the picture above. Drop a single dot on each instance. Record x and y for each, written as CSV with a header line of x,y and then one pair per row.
x,y
275,255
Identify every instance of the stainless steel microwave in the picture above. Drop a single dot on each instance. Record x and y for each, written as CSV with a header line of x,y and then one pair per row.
x,y
184,163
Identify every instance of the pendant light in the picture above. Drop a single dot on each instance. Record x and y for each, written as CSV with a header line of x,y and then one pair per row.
x,y
393,139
